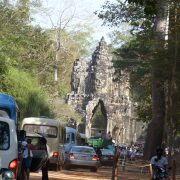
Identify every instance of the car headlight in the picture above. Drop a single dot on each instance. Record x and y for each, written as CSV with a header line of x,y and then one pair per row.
x,y
7,174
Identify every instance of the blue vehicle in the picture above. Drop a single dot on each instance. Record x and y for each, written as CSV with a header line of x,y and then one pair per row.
x,y
71,138
8,107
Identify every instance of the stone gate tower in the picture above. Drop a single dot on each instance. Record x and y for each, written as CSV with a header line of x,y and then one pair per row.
x,y
93,84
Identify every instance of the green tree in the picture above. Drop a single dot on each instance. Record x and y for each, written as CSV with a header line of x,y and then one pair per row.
x,y
20,59
148,18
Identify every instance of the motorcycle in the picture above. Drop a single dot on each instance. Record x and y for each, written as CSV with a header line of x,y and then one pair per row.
x,y
160,174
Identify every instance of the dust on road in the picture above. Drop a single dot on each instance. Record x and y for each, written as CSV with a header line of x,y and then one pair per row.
x,y
76,174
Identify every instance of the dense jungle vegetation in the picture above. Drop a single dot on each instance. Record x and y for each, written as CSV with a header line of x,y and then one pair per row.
x,y
27,60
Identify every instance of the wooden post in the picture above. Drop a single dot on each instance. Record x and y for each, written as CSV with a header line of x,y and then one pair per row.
x,y
123,164
114,170
174,170
151,170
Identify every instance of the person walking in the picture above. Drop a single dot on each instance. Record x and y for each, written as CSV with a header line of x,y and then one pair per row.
x,y
108,136
45,166
27,158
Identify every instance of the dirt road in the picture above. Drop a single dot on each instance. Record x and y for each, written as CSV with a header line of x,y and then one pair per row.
x,y
104,173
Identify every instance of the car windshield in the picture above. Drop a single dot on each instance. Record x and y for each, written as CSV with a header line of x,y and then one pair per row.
x,y
83,150
4,136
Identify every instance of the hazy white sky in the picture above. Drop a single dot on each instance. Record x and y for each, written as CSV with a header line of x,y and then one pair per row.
x,y
82,11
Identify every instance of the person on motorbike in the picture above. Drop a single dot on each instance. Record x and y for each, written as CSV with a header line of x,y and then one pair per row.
x,y
158,162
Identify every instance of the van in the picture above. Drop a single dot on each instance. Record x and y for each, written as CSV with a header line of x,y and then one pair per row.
x,y
11,150
9,158
54,132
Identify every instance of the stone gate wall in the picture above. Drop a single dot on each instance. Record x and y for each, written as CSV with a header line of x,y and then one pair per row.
x,y
93,82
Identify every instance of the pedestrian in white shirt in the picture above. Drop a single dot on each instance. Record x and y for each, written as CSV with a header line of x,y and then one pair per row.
x,y
158,161
27,157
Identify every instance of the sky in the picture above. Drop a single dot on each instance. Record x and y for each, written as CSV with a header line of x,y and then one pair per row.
x,y
81,10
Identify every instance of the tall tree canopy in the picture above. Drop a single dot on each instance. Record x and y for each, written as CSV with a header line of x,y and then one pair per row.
x,y
146,57
27,60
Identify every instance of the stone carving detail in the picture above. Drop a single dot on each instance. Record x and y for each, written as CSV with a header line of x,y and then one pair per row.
x,y
93,82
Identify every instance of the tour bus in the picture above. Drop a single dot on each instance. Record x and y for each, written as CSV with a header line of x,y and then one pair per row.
x,y
73,137
53,131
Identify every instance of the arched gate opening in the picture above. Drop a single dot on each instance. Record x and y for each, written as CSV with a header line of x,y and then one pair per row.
x,y
99,119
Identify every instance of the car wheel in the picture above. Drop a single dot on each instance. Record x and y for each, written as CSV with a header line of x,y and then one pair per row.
x,y
94,169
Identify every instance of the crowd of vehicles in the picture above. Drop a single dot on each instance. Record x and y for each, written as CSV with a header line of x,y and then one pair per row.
x,y
64,142
10,142
60,138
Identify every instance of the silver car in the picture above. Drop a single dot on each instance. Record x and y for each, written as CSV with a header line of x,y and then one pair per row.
x,y
84,157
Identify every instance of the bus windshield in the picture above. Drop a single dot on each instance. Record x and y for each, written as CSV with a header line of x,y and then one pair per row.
x,y
4,136
3,113
44,130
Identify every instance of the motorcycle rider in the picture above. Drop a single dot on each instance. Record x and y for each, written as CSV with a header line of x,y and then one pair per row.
x,y
158,161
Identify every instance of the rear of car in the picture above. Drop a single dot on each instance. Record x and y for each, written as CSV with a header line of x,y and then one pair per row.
x,y
84,157
9,146
107,157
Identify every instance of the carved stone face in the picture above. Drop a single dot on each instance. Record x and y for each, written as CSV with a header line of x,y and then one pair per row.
x,y
100,83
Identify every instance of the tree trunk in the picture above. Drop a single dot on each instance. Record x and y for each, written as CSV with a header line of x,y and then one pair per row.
x,y
173,85
156,127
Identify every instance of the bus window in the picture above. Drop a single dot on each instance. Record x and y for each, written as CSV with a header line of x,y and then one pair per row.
x,y
4,113
73,138
68,138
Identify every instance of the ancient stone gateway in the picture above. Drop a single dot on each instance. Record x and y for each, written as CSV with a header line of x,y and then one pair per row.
x,y
93,84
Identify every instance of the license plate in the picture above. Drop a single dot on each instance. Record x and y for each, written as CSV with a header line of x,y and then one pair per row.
x,y
83,157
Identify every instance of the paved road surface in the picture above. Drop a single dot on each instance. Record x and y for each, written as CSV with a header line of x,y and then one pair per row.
x,y
104,173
